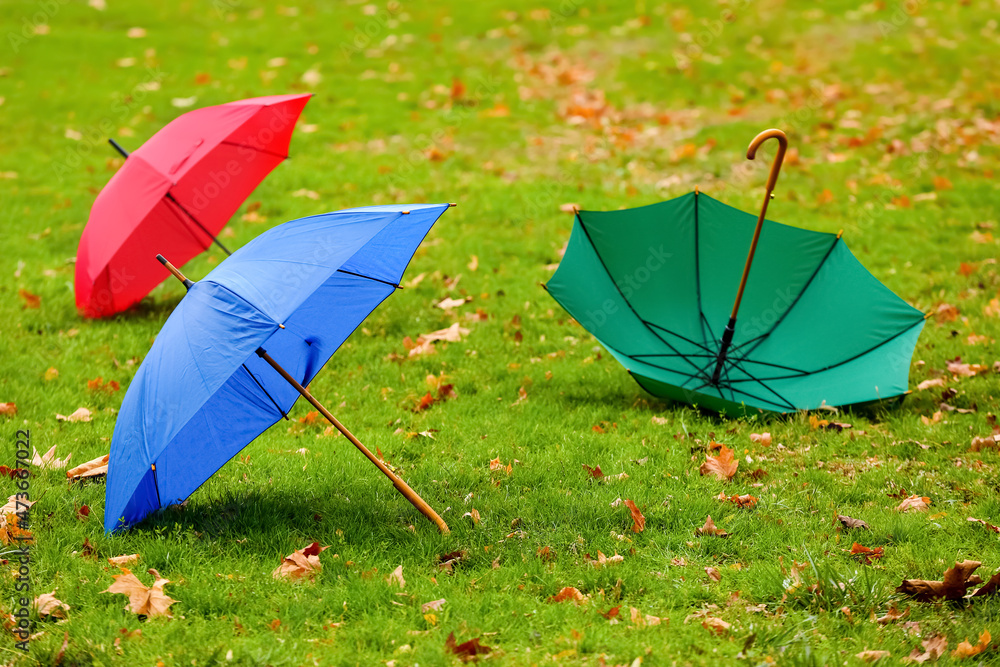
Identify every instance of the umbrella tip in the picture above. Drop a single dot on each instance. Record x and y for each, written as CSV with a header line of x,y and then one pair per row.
x,y
450,204
840,233
696,189
405,212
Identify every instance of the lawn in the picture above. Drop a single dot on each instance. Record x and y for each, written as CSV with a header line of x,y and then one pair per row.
x,y
517,112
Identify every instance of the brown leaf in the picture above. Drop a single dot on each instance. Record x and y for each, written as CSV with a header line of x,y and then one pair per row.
x,y
434,605
914,503
928,384
723,466
121,561
988,525
49,460
48,605
466,651
989,588
595,472
710,529
83,512
872,656
78,415
8,409
93,468
934,648
10,531
967,650
301,564
604,561
746,501
30,300
892,615
763,438
395,578
638,520
716,625
955,367
848,522
952,587
143,600
866,554
713,573
569,594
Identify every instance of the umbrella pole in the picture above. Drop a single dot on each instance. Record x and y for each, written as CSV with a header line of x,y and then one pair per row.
x,y
772,179
400,485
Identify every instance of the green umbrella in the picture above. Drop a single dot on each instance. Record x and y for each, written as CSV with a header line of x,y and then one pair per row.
x,y
673,294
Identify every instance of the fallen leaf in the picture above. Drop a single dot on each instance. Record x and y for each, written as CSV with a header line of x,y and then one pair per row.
x,y
395,578
93,468
473,515
594,472
957,368
892,615
49,460
30,300
638,520
48,605
967,650
716,625
466,651
713,573
448,302
763,438
848,522
434,605
746,501
934,382
302,563
8,409
952,587
123,560
78,415
143,600
723,466
604,561
995,529
866,554
710,529
934,648
569,594
914,503
872,656
452,334
473,263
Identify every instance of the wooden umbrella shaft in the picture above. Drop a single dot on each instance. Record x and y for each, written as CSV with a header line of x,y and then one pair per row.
x,y
400,485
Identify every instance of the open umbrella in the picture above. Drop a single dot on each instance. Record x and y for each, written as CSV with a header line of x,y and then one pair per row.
x,y
175,193
673,294
242,344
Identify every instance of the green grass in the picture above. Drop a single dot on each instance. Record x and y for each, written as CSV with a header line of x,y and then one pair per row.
x,y
828,73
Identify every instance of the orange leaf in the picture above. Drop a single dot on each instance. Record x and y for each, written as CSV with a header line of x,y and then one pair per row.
x,y
952,587
914,503
710,529
303,563
142,600
569,594
723,466
942,183
425,402
595,472
30,300
466,651
639,521
966,650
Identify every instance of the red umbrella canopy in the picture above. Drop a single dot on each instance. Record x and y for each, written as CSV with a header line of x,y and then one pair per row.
x,y
175,193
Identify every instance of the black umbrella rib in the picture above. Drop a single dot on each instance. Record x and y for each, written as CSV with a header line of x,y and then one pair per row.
x,y
684,338
737,364
257,382
845,361
798,297
254,148
200,226
579,219
378,280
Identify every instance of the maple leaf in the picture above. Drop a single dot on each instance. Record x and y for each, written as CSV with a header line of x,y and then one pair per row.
x,y
952,587
914,503
927,384
746,500
710,529
872,656
934,648
716,625
610,613
866,554
604,561
466,651
594,472
713,573
967,650
638,520
434,605
123,560
49,460
448,303
452,334
497,466
8,409
78,415
302,563
395,578
93,468
848,522
642,620
723,466
989,588
955,367
142,600
892,615
30,300
995,529
569,594
763,438
10,531
425,402
48,605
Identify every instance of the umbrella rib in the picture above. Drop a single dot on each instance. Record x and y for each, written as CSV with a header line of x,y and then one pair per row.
x,y
684,338
579,219
257,382
805,287
845,361
193,219
736,364
378,280
254,148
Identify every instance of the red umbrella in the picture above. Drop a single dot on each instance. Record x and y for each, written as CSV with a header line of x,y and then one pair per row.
x,y
175,193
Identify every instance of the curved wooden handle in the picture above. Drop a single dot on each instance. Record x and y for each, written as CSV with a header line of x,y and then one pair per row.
x,y
772,178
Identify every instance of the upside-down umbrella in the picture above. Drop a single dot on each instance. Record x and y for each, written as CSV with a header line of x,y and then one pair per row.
x,y
175,193
244,342
661,287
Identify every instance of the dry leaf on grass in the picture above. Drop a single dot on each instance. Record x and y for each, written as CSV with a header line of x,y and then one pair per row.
x,y
466,651
710,529
303,563
434,605
715,625
594,472
934,648
603,561
722,467
8,409
763,438
142,600
952,587
892,615
448,303
78,415
48,605
395,578
643,620
93,468
11,532
638,520
569,594
866,554
713,573
967,650
995,529
914,503
121,561
872,656
848,522
49,460
745,501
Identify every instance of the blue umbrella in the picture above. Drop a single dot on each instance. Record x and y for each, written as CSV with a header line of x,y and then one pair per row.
x,y
234,355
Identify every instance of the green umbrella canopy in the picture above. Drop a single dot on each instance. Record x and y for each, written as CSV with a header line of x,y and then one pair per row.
x,y
655,286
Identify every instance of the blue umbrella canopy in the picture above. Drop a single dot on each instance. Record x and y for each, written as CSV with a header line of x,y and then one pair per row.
x,y
203,392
